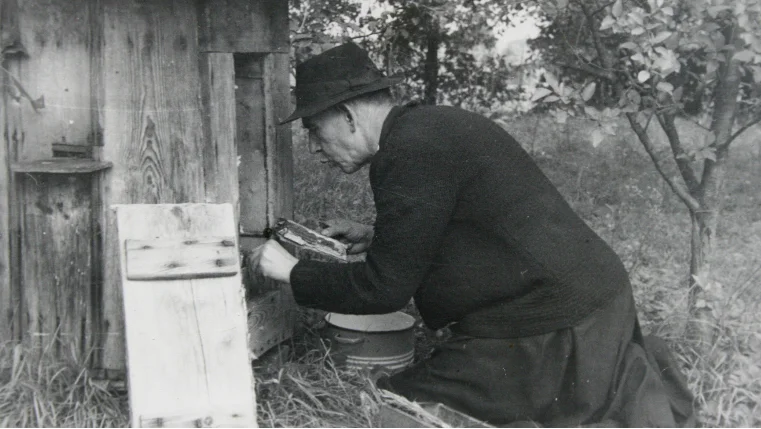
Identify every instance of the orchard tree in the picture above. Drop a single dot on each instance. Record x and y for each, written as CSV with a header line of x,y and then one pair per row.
x,y
434,42
653,61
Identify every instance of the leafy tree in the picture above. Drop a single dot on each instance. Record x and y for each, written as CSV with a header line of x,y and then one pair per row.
x,y
433,41
652,61
436,42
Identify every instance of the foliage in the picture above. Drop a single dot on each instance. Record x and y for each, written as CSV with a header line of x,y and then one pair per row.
x,y
438,44
318,25
665,55
442,46
653,61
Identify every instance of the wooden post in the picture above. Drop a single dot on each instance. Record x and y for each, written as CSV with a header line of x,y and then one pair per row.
x,y
278,137
152,125
7,302
220,148
251,124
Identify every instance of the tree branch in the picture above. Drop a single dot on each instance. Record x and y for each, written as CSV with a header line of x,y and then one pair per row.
x,y
602,52
724,111
673,182
688,174
744,128
601,8
586,68
606,58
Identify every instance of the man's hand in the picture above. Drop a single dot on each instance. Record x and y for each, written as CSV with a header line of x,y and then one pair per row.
x,y
273,261
357,235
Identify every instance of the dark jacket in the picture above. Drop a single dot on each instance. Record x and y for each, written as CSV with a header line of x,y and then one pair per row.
x,y
470,227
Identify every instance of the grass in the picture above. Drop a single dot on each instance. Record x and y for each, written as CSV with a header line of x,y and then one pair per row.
x,y
612,187
38,390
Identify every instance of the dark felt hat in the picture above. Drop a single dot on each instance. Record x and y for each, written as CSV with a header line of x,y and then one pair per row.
x,y
333,76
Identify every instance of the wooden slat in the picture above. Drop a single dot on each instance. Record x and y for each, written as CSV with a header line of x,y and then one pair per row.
x,y
173,259
220,148
7,313
61,166
279,201
98,188
278,137
56,262
251,123
186,338
195,419
152,124
244,26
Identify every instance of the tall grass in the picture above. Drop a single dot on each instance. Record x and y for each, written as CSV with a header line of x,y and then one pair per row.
x,y
40,390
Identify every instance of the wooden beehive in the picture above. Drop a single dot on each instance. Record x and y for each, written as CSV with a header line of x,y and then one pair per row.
x,y
157,101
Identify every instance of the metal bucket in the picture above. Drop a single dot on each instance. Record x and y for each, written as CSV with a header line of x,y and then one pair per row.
x,y
375,341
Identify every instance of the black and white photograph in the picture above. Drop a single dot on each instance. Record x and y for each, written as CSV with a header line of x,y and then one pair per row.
x,y
380,213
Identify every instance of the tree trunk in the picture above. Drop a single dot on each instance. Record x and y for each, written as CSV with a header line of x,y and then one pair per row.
x,y
711,196
700,327
431,74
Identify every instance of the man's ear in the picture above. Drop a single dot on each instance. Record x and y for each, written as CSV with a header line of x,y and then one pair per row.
x,y
349,114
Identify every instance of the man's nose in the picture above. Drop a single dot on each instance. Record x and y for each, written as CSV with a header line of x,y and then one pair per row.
x,y
314,145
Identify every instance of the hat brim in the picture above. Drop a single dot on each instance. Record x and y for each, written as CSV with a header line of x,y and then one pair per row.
x,y
315,108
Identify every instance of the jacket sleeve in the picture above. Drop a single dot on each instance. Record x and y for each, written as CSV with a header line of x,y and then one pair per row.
x,y
415,194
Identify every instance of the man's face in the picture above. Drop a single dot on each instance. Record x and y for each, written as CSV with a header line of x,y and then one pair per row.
x,y
335,136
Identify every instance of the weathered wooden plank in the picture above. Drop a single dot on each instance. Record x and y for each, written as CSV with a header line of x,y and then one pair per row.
x,y
186,338
8,36
152,124
173,259
220,150
251,124
7,313
56,262
98,184
56,37
271,319
278,137
195,419
244,26
279,189
60,166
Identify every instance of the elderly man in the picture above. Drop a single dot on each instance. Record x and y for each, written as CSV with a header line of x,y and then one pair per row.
x,y
544,328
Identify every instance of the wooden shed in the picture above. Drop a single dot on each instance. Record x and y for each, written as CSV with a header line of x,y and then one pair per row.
x,y
145,101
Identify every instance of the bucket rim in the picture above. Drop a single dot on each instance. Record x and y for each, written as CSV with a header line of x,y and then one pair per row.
x,y
371,323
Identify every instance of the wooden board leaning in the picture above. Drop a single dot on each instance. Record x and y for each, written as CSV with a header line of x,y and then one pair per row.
x,y
187,351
